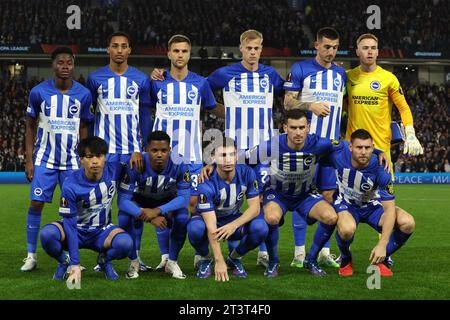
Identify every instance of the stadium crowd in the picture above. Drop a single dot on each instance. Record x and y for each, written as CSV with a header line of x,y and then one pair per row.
x,y
150,22
430,105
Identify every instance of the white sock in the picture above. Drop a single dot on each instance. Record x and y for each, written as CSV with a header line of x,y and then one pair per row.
x,y
32,255
165,256
325,251
172,261
299,250
261,253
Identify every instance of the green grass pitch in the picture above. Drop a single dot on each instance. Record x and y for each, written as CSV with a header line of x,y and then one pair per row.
x,y
421,269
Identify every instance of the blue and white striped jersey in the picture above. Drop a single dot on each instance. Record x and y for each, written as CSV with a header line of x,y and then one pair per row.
x,y
316,83
248,100
90,201
363,188
227,199
178,112
117,100
292,171
58,116
152,189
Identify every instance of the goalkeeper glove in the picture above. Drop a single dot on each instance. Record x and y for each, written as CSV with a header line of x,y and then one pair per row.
x,y
412,145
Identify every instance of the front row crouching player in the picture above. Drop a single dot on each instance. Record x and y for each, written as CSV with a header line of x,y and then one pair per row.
x,y
218,216
163,190
366,194
86,200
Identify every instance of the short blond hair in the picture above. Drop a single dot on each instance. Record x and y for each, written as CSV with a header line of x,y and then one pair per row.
x,y
366,36
251,34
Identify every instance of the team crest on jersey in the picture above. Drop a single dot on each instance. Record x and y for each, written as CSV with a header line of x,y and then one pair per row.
x,y
375,85
240,196
271,196
64,203
308,160
264,83
73,109
112,190
192,95
390,188
202,198
187,177
38,192
337,82
366,186
255,184
132,90
335,142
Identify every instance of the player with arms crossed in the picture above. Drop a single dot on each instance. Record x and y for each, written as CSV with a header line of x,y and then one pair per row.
x,y
86,201
317,86
163,188
366,194
121,96
219,217
57,117
179,97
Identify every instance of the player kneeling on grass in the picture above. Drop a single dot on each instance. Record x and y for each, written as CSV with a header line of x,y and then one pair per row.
x,y
366,194
218,213
86,200
163,189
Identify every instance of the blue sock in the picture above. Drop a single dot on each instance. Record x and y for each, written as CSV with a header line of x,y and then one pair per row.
x,y
257,232
263,247
163,237
198,236
344,248
327,244
33,226
321,236
178,233
397,240
126,223
272,243
232,244
51,242
299,229
121,247
138,230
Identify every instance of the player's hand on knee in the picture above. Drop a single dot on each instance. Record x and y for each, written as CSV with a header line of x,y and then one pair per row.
x,y
29,170
387,163
159,222
74,279
320,109
378,254
223,233
205,173
157,74
149,214
220,270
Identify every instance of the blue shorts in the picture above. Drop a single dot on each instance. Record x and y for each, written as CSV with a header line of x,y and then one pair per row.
x,y
93,240
194,170
44,182
371,215
326,178
302,204
117,159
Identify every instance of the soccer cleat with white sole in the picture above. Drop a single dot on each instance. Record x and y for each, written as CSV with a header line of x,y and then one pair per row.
x,y
29,265
173,268
133,270
162,265
263,259
328,260
297,262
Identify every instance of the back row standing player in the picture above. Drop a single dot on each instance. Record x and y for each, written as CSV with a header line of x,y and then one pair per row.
x,y
317,86
248,90
57,117
121,98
